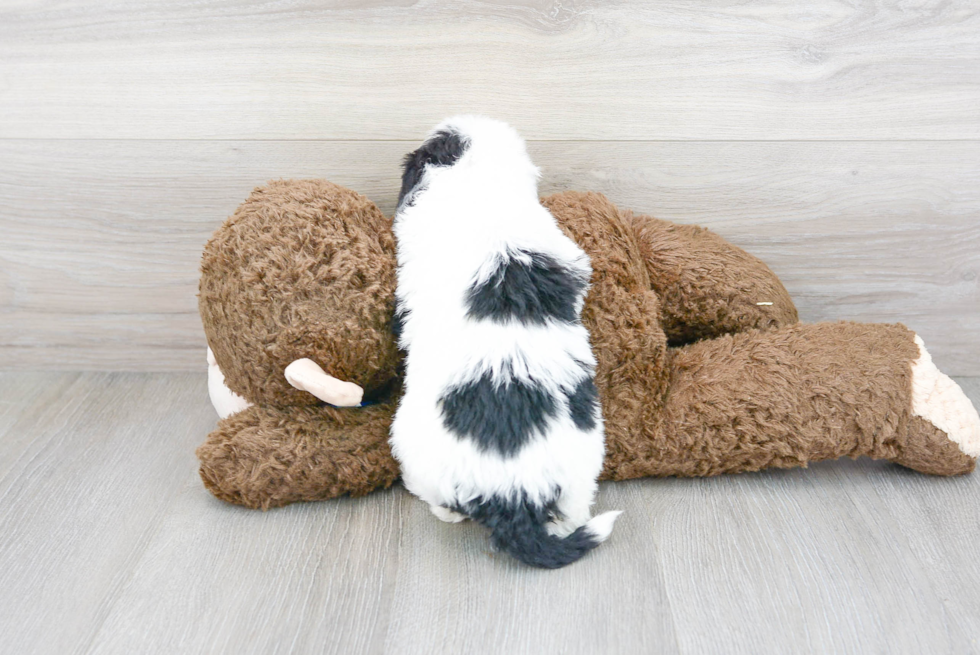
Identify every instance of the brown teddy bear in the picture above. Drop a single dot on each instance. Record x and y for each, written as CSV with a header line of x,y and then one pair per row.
x,y
702,366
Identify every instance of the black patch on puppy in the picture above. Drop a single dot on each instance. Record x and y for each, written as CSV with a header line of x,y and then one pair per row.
x,y
530,292
517,526
443,149
583,404
398,320
500,418
381,394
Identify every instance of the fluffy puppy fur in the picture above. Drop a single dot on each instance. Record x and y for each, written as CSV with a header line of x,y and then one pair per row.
x,y
500,420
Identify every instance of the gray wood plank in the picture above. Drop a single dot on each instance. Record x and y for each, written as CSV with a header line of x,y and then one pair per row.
x,y
389,69
803,561
810,561
23,392
98,265
454,595
314,578
109,544
85,476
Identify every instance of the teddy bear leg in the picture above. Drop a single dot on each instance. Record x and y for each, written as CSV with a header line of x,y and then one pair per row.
x,y
807,393
707,286
574,509
265,457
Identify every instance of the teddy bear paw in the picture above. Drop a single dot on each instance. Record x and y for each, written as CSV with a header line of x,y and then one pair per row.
x,y
939,400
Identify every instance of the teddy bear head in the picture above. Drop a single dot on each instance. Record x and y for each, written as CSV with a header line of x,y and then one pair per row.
x,y
302,269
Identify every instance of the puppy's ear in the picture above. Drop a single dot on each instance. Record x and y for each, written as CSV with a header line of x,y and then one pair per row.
x,y
444,148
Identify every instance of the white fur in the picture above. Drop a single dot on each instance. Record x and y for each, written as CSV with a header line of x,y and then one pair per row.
x,y
446,514
225,401
602,525
939,400
455,232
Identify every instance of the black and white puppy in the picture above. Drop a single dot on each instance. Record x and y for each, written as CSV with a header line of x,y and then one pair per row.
x,y
500,420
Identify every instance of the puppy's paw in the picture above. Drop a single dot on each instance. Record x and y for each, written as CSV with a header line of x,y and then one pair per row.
x,y
446,514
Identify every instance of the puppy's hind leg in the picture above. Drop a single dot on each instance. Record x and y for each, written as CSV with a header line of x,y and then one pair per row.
x,y
446,514
573,509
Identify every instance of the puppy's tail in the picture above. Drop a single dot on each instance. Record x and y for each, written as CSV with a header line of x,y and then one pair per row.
x,y
519,529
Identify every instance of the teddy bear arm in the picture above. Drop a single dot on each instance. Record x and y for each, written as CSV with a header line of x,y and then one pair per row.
x,y
707,286
265,456
806,393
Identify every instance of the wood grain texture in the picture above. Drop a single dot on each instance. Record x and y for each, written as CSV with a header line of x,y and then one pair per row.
x,y
87,471
390,69
98,264
109,544
315,578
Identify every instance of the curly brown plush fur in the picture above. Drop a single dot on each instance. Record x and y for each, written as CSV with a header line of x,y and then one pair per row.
x,y
681,258
269,456
787,397
302,269
306,269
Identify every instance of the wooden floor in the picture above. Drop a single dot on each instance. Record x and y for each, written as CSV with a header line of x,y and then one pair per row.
x,y
109,544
